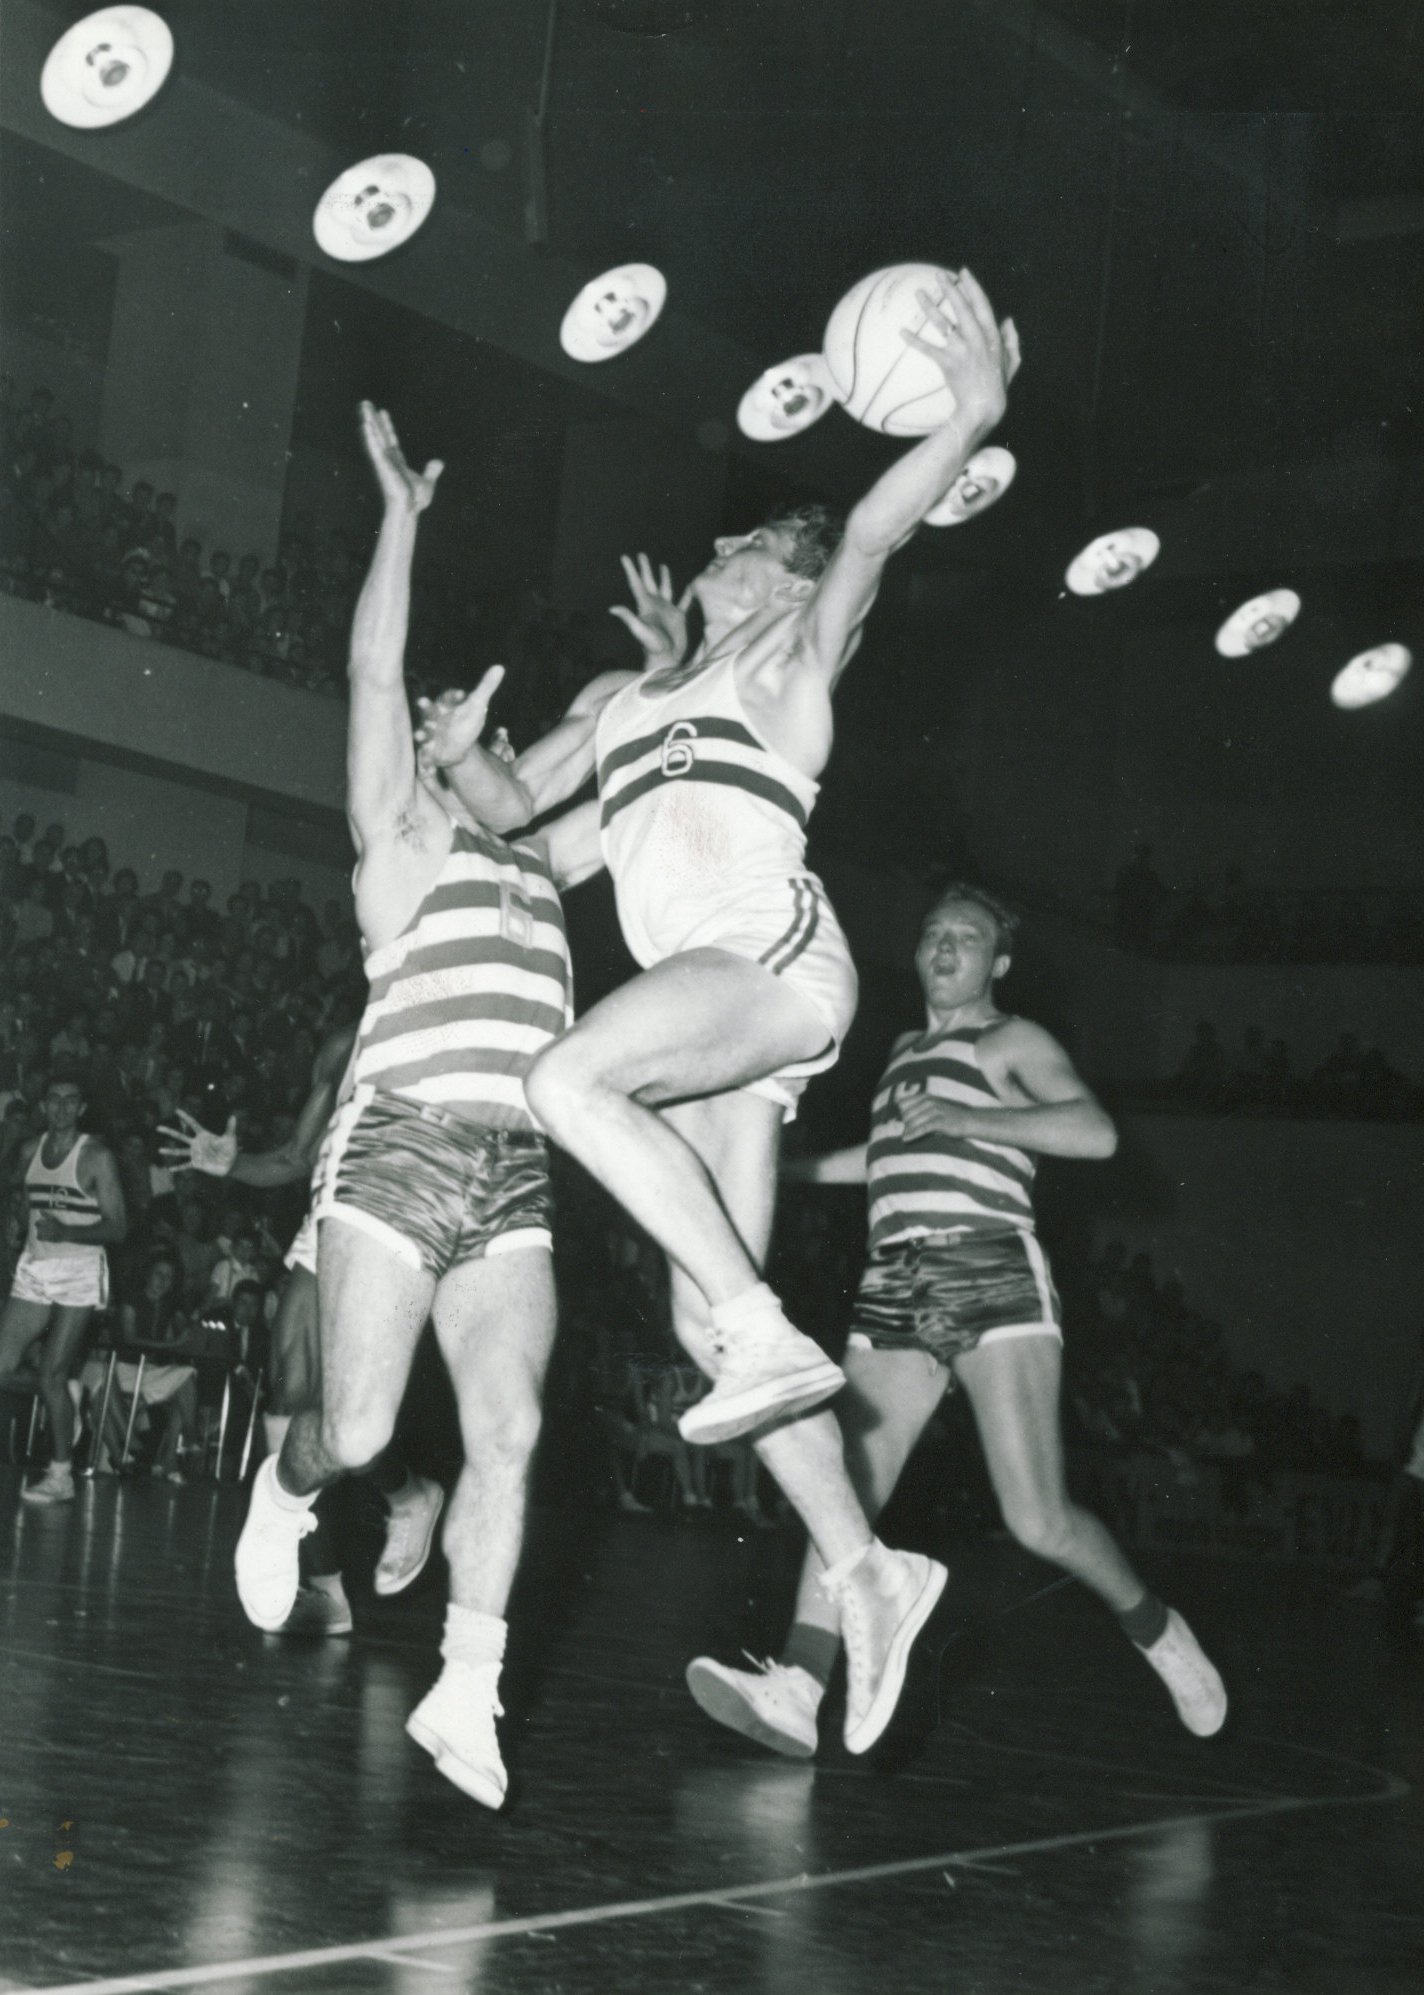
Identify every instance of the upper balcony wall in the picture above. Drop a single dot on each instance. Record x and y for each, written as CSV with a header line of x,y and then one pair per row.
x,y
94,684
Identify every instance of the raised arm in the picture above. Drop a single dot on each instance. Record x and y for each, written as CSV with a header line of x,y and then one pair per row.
x,y
507,794
978,359
380,753
1062,1118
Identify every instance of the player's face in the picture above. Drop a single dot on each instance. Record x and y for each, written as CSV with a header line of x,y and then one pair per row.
x,y
62,1105
746,570
958,955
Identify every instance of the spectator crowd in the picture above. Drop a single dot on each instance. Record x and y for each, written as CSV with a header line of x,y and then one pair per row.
x,y
1147,1371
1260,1077
155,999
78,535
1228,920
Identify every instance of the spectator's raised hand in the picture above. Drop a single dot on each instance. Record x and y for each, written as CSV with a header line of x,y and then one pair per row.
x,y
657,619
193,1148
402,488
451,725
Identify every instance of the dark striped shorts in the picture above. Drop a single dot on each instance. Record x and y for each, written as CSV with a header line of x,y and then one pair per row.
x,y
435,1189
947,1294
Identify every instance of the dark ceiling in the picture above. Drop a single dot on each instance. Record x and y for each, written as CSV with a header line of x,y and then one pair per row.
x,y
1205,214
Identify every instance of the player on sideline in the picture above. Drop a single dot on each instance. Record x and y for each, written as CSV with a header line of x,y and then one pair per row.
x,y
75,1204
413,1502
671,1092
956,1291
435,1200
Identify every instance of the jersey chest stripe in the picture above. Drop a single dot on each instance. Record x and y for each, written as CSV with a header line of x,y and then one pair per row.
x,y
888,1188
727,774
465,955
464,1064
708,729
455,1011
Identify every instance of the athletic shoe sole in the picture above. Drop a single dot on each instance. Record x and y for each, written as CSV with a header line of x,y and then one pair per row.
x,y
892,1680
471,1780
782,1397
726,1705
386,1587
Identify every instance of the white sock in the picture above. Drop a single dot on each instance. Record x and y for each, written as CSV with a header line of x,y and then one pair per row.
x,y
284,1498
472,1637
274,1428
758,1300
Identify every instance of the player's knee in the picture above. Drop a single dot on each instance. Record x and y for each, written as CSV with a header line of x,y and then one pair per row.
x,y
505,1433
557,1084
353,1436
1041,1528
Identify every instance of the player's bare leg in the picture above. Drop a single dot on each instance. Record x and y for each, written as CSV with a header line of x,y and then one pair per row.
x,y
883,1597
698,1024
1014,1387
373,1305
495,1321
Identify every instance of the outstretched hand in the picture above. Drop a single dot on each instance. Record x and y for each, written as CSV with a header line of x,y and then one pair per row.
x,y
451,725
193,1148
402,488
977,356
657,620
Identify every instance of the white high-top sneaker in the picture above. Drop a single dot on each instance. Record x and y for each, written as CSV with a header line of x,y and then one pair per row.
x,y
454,1722
410,1533
267,1561
776,1704
1197,1689
885,1599
767,1371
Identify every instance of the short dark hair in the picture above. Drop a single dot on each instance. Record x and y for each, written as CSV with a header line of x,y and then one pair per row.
x,y
814,533
1006,922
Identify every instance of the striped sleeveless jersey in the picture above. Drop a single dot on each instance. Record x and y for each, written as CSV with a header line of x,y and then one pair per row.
x,y
55,1191
478,983
942,1184
694,806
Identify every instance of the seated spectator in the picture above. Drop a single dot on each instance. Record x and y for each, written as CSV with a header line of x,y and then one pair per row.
x,y
154,1319
238,1265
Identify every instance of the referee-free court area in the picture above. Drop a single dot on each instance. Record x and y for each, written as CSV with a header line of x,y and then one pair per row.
x,y
188,1804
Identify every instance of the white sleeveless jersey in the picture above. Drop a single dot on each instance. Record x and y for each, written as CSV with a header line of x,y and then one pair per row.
x,y
55,1192
476,984
695,807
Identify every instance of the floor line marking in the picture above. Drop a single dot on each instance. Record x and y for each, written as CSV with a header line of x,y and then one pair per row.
x,y
395,1958
1393,1789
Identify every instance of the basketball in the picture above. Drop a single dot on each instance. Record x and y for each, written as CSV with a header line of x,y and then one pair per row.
x,y
882,382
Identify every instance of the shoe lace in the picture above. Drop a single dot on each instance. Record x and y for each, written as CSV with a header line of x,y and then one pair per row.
x,y
768,1665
